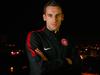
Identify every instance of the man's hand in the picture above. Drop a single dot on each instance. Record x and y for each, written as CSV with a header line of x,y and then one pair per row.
x,y
69,61
41,54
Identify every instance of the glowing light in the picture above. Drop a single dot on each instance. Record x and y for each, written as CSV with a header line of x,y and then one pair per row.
x,y
12,53
86,49
17,52
11,69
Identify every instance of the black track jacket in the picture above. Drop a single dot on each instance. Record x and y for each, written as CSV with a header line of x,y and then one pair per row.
x,y
56,47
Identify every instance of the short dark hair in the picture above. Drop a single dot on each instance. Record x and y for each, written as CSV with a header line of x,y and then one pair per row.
x,y
51,3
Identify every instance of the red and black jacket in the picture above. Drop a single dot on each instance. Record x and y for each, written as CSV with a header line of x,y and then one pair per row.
x,y
56,47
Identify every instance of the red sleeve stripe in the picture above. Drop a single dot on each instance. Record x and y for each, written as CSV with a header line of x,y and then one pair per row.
x,y
29,45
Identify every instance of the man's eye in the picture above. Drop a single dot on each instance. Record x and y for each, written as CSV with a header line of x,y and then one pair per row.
x,y
50,15
58,15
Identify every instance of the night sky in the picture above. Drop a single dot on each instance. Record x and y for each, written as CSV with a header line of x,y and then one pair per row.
x,y
81,18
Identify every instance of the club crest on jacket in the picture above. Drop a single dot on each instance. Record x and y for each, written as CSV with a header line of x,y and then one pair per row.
x,y
64,42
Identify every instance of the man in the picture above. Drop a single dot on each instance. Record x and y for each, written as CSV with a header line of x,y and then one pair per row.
x,y
49,50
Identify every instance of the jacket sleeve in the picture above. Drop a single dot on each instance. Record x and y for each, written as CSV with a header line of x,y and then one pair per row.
x,y
33,42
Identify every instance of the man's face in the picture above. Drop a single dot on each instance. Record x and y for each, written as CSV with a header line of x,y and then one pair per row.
x,y
53,17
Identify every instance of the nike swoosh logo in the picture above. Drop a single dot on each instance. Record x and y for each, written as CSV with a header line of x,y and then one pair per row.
x,y
47,48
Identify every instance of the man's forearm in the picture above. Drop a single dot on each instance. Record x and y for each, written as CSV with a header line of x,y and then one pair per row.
x,y
44,58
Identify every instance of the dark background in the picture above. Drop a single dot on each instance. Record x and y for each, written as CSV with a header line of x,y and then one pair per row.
x,y
19,16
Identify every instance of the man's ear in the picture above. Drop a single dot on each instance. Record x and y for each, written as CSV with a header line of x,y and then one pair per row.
x,y
44,18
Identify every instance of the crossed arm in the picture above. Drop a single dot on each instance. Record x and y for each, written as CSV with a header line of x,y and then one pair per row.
x,y
44,58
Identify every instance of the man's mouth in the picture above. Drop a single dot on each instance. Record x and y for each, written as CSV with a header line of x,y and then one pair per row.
x,y
54,24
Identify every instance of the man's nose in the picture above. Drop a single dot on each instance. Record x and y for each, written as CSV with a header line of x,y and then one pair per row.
x,y
54,19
